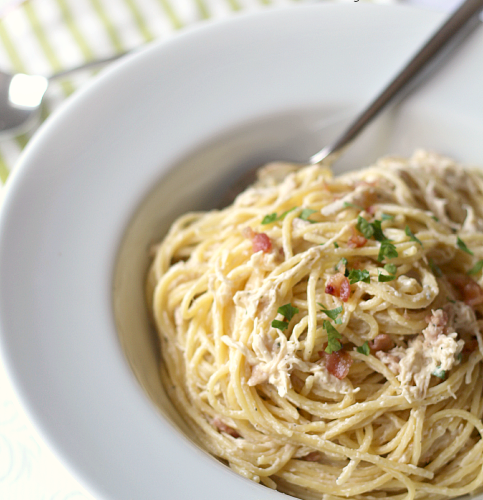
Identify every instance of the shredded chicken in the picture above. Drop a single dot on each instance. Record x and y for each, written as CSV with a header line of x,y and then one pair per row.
x,y
357,197
434,349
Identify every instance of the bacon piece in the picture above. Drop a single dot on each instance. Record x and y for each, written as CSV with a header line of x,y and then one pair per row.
x,y
313,456
338,286
338,363
473,294
469,289
260,241
470,346
356,240
222,427
381,342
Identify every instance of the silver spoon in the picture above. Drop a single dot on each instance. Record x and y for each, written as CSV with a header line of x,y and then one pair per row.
x,y
454,29
21,95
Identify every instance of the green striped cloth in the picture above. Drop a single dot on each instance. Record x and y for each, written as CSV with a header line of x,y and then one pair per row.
x,y
46,36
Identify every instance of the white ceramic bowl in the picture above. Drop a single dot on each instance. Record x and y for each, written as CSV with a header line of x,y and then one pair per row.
x,y
160,133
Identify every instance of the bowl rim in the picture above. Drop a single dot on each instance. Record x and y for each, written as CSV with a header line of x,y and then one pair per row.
x,y
40,160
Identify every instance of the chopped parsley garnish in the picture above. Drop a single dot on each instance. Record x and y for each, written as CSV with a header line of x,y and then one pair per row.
x,y
439,372
352,205
273,217
357,275
336,245
476,268
435,268
333,337
268,219
462,246
411,235
387,217
282,216
449,299
281,325
378,234
288,311
332,313
364,348
391,269
342,262
387,250
435,218
364,227
369,229
459,357
306,213
383,278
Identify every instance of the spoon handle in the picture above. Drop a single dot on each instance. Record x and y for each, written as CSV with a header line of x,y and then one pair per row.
x,y
89,65
465,16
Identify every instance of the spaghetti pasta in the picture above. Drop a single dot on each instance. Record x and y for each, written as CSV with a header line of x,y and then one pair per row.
x,y
322,335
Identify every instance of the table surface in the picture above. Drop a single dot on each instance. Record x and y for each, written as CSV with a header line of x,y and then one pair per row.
x,y
43,37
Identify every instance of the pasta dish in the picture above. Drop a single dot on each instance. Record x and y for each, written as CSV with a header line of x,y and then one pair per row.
x,y
322,334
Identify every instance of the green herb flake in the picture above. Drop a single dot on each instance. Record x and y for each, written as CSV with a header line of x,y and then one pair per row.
x,y
364,227
364,348
273,217
476,268
411,235
391,268
435,218
459,357
333,337
462,246
435,268
288,311
286,213
281,325
371,229
383,278
449,299
387,250
377,229
439,372
336,245
268,219
352,205
331,313
342,262
306,213
357,275
387,217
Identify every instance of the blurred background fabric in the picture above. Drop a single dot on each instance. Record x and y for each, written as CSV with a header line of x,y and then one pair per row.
x,y
47,36
44,37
